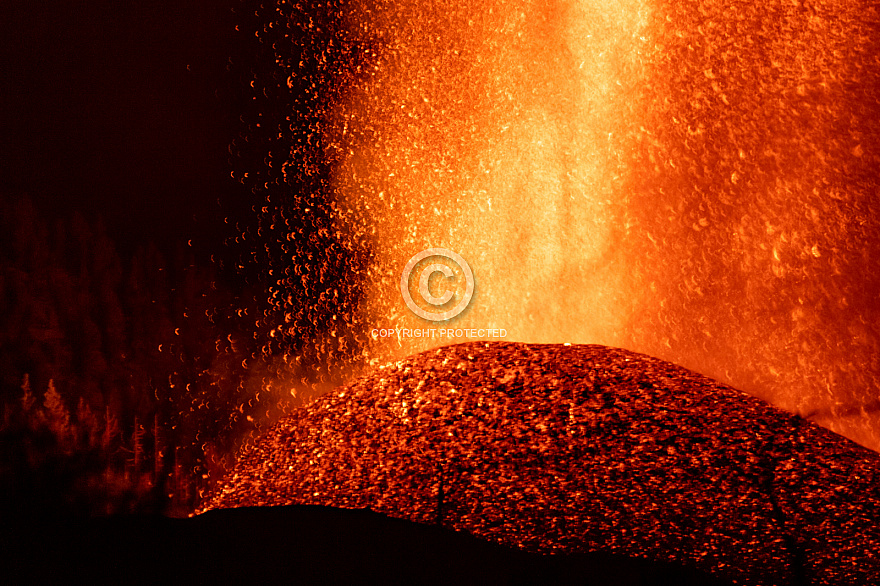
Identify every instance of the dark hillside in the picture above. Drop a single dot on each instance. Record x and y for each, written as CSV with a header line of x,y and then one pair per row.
x,y
566,450
298,545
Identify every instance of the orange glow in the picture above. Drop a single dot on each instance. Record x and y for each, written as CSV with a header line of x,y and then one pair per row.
x,y
695,182
491,132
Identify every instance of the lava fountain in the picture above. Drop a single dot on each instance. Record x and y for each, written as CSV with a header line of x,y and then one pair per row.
x,y
490,131
692,180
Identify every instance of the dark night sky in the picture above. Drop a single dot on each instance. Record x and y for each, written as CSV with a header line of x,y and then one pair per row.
x,y
122,110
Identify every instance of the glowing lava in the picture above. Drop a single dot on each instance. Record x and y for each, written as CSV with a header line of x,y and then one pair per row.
x,y
490,131
689,181
692,180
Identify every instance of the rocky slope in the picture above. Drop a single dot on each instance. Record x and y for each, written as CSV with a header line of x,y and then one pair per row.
x,y
570,449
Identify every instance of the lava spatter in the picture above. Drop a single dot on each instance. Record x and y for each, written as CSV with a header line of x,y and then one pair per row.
x,y
695,180
564,449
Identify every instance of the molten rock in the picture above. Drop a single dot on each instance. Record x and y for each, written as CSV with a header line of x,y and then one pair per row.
x,y
560,449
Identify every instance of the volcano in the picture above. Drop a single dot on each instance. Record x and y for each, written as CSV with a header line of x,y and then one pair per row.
x,y
561,449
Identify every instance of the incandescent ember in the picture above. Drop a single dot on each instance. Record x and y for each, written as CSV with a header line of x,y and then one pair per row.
x,y
568,449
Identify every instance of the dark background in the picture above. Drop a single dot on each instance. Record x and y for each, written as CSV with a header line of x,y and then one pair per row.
x,y
122,340
146,242
120,110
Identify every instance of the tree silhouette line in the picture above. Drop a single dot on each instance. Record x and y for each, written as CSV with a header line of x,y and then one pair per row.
x,y
127,383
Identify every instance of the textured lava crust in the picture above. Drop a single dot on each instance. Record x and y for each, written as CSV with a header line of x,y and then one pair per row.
x,y
569,449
